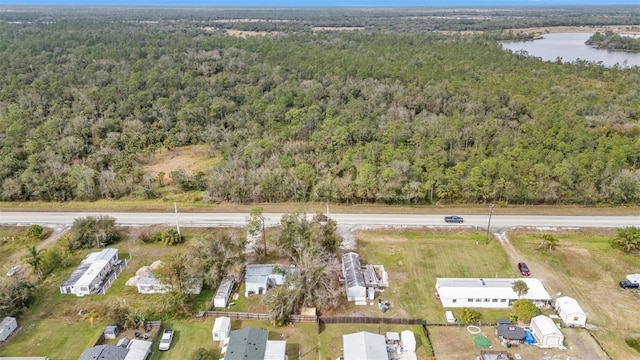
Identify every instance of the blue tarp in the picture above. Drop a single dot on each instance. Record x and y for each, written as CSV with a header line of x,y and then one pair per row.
x,y
529,338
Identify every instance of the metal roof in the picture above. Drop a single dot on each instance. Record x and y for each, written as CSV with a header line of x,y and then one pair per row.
x,y
224,290
364,345
569,305
490,288
545,325
351,270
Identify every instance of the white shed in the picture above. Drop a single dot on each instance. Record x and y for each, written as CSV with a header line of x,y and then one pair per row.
x,y
408,341
355,284
570,312
221,329
546,332
8,325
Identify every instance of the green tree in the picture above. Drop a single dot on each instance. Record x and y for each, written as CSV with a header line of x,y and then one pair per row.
x,y
92,232
523,310
627,239
15,296
34,258
171,237
35,232
549,242
470,316
520,287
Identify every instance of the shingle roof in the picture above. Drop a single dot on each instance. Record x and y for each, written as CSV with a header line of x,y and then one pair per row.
x,y
247,344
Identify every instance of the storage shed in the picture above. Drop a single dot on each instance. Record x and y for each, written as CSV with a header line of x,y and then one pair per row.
x,y
8,325
546,332
355,285
111,331
224,292
570,312
408,339
221,328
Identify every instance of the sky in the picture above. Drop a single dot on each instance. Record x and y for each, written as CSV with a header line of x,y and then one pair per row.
x,y
322,3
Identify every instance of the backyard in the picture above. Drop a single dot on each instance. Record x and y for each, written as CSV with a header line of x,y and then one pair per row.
x,y
413,259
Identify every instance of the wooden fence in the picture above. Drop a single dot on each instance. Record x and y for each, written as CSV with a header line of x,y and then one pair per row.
x,y
257,316
368,320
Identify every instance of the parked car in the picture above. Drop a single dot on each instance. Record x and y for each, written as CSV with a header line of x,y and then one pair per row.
x,y
524,269
453,219
165,340
626,284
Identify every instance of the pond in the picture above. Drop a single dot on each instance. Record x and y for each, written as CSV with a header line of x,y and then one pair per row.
x,y
570,47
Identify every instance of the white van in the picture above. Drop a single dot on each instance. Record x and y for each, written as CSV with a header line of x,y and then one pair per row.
x,y
448,315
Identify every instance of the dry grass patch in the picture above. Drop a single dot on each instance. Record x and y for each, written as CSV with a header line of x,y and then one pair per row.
x,y
188,158
585,267
419,258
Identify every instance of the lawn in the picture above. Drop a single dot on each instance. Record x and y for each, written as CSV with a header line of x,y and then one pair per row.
x,y
54,337
330,338
585,267
415,258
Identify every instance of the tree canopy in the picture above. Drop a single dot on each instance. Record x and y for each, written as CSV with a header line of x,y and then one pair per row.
x,y
394,112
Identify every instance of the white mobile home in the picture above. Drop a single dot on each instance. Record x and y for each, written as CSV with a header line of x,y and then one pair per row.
x,y
221,328
8,325
570,312
355,285
546,332
88,277
221,299
488,292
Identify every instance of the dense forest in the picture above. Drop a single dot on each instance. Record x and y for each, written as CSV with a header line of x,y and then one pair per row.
x,y
395,112
612,41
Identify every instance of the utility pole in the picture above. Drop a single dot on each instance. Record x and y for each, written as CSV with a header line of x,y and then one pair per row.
x,y
175,206
489,223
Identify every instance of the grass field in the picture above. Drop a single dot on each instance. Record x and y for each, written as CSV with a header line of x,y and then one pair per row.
x,y
330,338
583,266
415,258
586,267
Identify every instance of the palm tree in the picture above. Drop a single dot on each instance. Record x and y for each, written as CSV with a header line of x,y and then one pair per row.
x,y
627,239
35,260
520,287
549,242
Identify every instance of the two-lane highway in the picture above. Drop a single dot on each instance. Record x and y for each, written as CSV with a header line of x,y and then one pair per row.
x,y
498,222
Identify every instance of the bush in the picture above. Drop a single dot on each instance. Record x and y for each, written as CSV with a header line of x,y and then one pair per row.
x,y
470,316
35,232
633,343
524,310
171,237
92,232
203,354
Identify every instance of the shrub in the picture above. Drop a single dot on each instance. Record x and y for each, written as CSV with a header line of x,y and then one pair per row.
x,y
203,354
633,343
35,232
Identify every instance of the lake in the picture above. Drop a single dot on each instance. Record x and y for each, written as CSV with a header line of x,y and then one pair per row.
x,y
571,47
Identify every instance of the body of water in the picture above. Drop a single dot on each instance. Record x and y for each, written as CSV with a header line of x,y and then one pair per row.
x,y
571,47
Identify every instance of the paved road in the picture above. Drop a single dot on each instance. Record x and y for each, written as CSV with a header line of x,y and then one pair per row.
x,y
498,222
